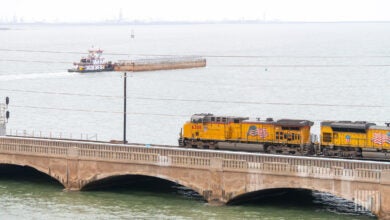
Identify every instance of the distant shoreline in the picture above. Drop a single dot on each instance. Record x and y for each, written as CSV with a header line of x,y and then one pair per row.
x,y
185,23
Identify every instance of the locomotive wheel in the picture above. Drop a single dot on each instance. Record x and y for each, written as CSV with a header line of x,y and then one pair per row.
x,y
213,145
271,149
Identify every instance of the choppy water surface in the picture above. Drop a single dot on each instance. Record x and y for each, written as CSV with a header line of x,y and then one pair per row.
x,y
308,71
25,193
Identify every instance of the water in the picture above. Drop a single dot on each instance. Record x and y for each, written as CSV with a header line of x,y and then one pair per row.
x,y
308,71
25,192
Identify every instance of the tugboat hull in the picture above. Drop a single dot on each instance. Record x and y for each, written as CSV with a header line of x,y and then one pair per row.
x,y
89,71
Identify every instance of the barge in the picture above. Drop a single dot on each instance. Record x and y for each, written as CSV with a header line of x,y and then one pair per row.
x,y
160,64
94,62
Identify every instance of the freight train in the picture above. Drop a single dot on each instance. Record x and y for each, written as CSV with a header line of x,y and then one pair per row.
x,y
345,139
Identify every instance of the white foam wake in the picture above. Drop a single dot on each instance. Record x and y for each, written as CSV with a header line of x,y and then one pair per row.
x,y
11,77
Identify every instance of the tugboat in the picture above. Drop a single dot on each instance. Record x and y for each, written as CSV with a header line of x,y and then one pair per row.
x,y
94,62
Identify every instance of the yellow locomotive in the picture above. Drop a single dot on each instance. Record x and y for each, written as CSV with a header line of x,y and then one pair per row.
x,y
241,133
355,139
286,136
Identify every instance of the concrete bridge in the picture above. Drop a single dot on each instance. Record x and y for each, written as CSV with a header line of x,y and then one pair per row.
x,y
218,176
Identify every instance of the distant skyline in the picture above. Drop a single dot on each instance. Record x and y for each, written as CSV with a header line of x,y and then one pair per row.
x,y
72,11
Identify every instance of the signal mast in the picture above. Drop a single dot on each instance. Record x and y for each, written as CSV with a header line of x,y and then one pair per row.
x,y
4,116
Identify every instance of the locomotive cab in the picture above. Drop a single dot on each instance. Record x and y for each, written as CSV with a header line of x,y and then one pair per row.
x,y
205,130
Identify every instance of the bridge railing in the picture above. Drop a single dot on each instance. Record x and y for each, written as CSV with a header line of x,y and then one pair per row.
x,y
304,171
33,150
116,156
52,135
229,161
155,149
183,161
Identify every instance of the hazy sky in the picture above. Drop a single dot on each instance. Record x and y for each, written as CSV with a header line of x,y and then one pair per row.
x,y
196,10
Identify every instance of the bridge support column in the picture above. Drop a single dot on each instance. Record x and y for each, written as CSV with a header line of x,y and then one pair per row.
x,y
384,216
72,180
214,193
384,211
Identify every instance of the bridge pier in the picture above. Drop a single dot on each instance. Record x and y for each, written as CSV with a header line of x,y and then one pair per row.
x,y
72,179
384,215
72,187
384,209
214,193
216,202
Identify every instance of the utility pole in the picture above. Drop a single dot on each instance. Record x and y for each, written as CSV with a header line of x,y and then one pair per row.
x,y
125,96
124,106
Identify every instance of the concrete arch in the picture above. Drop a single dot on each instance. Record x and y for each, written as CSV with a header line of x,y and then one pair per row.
x,y
37,168
169,178
341,194
273,188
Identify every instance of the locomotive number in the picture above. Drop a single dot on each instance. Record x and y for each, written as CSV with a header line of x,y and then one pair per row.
x,y
196,126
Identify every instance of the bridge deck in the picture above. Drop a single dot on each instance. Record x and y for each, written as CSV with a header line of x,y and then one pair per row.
x,y
174,156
